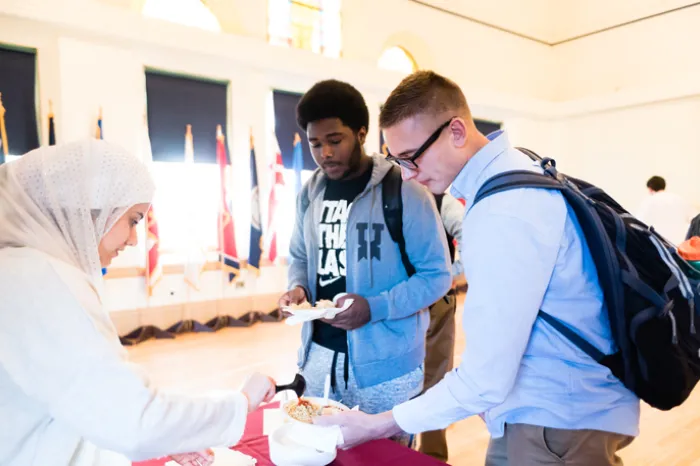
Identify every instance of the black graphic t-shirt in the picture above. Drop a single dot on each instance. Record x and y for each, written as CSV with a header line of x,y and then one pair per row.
x,y
331,273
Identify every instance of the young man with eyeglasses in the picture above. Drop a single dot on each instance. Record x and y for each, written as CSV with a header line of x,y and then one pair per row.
x,y
341,243
544,401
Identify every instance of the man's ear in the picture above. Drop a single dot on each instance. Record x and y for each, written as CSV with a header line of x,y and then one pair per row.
x,y
362,135
459,131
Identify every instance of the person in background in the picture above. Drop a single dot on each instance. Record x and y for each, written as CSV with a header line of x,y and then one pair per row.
x,y
694,229
68,394
544,401
373,351
667,212
440,339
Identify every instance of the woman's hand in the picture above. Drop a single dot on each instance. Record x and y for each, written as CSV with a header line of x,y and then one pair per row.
x,y
258,388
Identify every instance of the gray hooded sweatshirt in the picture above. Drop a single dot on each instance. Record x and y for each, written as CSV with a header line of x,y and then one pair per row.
x,y
393,342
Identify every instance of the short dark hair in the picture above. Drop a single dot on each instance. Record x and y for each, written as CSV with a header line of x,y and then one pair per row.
x,y
656,183
423,92
333,99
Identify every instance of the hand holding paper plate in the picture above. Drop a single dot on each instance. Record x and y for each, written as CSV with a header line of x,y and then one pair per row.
x,y
324,309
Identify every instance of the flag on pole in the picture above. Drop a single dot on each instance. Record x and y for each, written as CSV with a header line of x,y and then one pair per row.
x,y
227,238
3,133
98,130
154,268
194,266
297,164
256,237
276,190
52,127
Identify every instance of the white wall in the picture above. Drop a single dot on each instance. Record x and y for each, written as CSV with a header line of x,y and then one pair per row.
x,y
620,150
630,103
653,54
477,57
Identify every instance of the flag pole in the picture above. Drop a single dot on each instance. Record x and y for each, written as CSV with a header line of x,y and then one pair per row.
x,y
3,131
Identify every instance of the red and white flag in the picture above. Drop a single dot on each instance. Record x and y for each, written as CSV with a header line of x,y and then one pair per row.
x,y
227,236
276,193
154,268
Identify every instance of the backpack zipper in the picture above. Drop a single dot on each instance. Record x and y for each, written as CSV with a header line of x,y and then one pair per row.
x,y
674,337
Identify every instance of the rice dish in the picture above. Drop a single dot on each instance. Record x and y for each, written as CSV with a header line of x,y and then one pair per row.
x,y
302,410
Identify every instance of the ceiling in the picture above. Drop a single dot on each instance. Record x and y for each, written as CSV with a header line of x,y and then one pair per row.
x,y
553,21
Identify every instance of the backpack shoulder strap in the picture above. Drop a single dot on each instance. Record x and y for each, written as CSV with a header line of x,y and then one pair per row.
x,y
527,179
392,204
438,201
572,336
516,179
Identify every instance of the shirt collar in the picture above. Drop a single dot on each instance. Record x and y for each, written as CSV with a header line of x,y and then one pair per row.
x,y
470,178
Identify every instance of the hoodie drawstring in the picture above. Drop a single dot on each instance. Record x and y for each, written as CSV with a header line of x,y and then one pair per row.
x,y
369,239
346,370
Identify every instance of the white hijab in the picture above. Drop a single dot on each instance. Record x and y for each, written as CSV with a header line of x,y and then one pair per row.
x,y
61,200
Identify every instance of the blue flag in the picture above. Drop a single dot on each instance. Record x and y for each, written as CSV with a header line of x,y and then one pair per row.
x,y
255,224
297,164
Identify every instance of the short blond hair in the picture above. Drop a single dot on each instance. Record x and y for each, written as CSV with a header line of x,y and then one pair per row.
x,y
423,92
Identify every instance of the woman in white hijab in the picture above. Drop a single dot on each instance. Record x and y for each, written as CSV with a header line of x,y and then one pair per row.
x,y
68,395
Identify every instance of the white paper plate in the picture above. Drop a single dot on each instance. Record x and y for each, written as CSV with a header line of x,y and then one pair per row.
x,y
305,315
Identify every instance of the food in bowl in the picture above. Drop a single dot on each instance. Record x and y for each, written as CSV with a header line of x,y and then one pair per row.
x,y
304,410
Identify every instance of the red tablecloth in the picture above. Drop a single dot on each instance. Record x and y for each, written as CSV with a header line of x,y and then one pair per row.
x,y
376,453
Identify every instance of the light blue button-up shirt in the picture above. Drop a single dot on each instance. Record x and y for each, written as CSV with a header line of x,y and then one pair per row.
x,y
522,252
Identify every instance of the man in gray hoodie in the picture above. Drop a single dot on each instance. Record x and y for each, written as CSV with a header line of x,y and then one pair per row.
x,y
373,351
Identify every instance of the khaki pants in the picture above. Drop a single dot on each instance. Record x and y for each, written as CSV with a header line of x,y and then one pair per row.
x,y
527,445
439,360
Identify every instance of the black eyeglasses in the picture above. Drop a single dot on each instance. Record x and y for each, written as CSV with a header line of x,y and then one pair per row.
x,y
410,162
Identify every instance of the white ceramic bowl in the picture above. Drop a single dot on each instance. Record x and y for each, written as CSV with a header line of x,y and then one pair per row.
x,y
285,452
315,400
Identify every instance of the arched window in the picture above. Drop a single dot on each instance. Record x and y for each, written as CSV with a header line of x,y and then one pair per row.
x,y
397,59
187,12
306,24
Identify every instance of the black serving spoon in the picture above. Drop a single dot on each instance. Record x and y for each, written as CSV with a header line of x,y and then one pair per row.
x,y
298,385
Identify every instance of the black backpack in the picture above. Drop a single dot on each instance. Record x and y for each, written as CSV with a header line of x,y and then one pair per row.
x,y
392,205
651,293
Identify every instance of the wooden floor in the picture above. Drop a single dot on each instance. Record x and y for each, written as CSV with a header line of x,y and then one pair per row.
x,y
200,362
